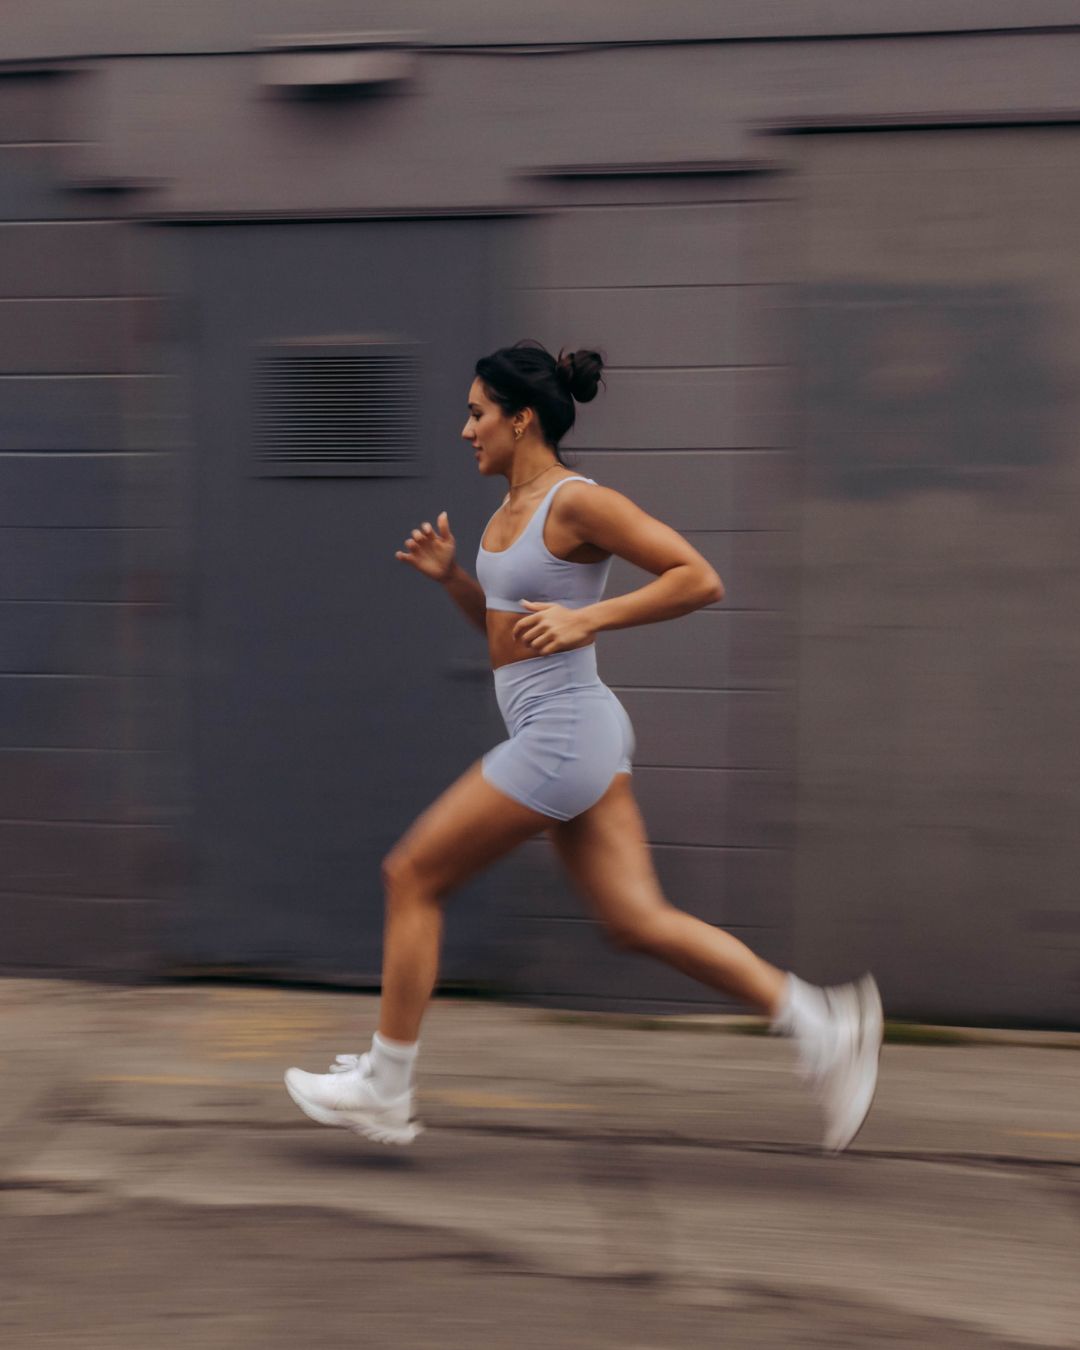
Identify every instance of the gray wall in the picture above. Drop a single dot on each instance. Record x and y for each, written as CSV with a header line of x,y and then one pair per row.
x,y
940,552
675,211
59,28
90,746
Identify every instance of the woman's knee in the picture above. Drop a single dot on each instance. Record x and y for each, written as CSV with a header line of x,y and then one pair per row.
x,y
404,878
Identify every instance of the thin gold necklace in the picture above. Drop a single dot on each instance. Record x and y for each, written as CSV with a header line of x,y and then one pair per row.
x,y
533,478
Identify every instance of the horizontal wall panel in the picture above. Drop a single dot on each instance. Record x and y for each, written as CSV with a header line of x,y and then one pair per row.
x,y
124,28
28,176
91,936
64,258
76,413
741,887
90,490
725,886
28,107
88,713
664,325
774,251
85,785
756,567
85,638
708,649
91,860
77,336
688,409
575,960
1004,78
45,563
701,728
679,245
30,184
736,808
750,490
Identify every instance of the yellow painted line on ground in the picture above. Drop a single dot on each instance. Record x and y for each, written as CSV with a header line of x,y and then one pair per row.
x,y
1045,1134
484,1101
495,1101
177,1080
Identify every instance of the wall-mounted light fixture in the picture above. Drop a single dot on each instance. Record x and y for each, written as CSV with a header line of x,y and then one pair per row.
x,y
338,65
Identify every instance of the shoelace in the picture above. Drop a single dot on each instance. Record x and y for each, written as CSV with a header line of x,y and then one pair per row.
x,y
347,1063
362,1063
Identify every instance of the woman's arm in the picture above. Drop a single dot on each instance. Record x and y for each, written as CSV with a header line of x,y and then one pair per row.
x,y
684,579
597,515
468,594
431,551
680,590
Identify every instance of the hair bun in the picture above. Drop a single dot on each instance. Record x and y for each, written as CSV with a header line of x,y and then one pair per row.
x,y
580,372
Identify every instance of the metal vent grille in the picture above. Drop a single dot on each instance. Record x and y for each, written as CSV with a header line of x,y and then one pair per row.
x,y
336,407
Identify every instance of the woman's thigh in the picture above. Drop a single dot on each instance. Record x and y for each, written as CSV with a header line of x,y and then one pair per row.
x,y
605,852
467,827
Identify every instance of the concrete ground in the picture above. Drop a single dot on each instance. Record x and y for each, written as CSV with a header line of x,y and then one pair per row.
x,y
583,1182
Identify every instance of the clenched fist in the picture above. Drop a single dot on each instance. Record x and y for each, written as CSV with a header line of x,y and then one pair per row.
x,y
431,550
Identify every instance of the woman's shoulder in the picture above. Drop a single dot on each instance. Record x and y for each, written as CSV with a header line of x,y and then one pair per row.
x,y
589,503
584,500
575,478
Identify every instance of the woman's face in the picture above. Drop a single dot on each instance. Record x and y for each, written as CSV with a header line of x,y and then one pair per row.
x,y
489,431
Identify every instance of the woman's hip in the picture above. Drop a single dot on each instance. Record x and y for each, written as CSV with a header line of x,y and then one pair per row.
x,y
551,686
564,749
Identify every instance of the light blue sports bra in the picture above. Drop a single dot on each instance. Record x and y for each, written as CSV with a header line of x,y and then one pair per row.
x,y
528,570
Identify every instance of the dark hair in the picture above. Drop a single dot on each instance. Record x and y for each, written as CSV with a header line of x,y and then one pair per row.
x,y
526,375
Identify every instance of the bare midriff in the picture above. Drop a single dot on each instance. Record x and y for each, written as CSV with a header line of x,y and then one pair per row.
x,y
505,530
502,645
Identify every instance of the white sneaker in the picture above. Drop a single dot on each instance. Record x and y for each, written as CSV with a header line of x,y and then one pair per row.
x,y
347,1096
844,1074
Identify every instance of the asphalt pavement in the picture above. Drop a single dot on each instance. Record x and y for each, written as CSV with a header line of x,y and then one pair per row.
x,y
582,1181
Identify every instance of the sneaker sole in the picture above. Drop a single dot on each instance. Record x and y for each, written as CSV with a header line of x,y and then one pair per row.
x,y
360,1122
871,1032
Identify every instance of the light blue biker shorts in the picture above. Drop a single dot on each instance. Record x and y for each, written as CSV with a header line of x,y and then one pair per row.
x,y
569,734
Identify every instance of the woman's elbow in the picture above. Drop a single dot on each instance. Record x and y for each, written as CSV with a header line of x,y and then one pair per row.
x,y
701,585
714,588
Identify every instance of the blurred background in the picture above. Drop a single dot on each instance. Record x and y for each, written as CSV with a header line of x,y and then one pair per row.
x,y
249,254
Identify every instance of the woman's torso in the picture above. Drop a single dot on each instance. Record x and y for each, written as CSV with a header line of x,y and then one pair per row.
x,y
505,528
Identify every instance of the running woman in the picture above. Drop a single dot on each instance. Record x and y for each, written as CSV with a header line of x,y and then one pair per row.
x,y
565,768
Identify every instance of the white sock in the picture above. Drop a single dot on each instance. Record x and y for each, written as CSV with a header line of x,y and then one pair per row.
x,y
393,1064
804,1015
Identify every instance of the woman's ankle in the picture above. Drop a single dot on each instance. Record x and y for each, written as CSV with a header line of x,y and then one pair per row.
x,y
393,1063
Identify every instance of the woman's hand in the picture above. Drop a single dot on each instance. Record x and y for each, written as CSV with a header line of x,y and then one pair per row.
x,y
553,628
429,550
